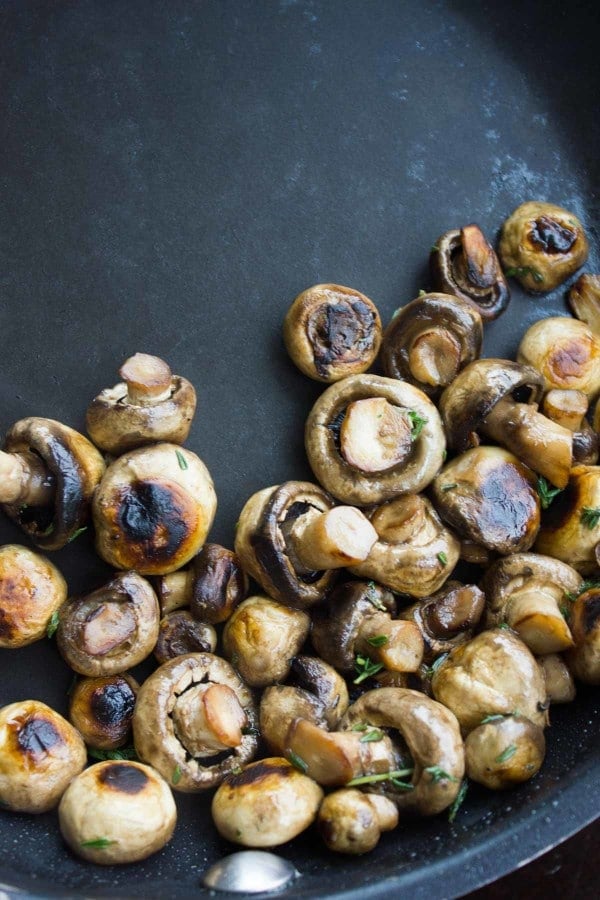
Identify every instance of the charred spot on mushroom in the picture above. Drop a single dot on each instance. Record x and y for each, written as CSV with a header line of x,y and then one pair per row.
x,y
340,331
37,736
154,517
552,237
123,779
113,703
258,772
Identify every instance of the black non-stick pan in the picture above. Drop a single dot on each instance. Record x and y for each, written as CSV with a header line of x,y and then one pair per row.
x,y
172,174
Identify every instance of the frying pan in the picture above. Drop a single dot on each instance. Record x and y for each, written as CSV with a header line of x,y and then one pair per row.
x,y
173,174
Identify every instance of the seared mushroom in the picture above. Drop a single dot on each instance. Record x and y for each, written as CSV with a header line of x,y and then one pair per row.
x,y
110,630
149,405
560,687
153,509
195,721
292,539
504,751
541,245
565,352
179,632
414,553
463,263
584,658
432,736
489,497
370,438
101,709
447,618
350,821
332,331
117,812
571,527
430,340
568,408
32,590
47,477
266,804
262,637
527,592
584,300
41,752
212,585
498,399
495,673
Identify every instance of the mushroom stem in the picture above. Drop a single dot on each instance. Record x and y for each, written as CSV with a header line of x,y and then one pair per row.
x,y
25,479
396,643
174,590
540,443
375,435
340,537
535,616
148,379
435,357
209,719
567,408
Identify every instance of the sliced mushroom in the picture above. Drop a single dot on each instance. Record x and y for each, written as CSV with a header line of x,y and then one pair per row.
x,y
41,752
110,630
32,590
153,509
447,618
266,804
101,709
565,352
498,399
48,475
584,300
149,405
430,340
504,751
212,585
370,438
571,527
463,263
262,637
541,245
584,658
560,686
179,633
489,497
117,812
332,331
351,821
527,592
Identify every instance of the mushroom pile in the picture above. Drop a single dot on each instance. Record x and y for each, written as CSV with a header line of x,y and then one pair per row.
x,y
376,638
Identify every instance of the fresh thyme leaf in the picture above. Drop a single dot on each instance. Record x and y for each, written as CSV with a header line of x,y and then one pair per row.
x,y
98,843
52,625
365,668
47,531
458,802
373,598
119,753
417,423
297,762
176,776
507,754
504,625
436,664
565,612
523,271
375,735
422,293
77,533
434,248
438,774
590,516
378,640
493,718
546,492
360,726
393,776
181,459
442,557
587,585
449,487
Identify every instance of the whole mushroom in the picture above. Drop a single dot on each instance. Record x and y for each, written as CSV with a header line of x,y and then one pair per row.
x,y
565,351
32,590
212,585
351,821
571,526
179,633
101,709
504,751
447,618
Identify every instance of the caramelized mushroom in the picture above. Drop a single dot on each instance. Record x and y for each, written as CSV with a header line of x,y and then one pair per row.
x,y
212,585
101,709
560,687
32,590
584,658
584,300
350,821
179,632
447,618
504,751
565,351
571,527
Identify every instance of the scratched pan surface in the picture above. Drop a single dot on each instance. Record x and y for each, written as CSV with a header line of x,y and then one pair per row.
x,y
172,175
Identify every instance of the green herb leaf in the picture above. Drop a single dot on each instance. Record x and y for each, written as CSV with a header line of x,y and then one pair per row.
x,y
504,625
565,612
546,492
493,718
393,776
507,754
119,753
176,776
372,597
375,735
435,665
181,460
77,533
97,844
438,774
378,640
434,248
449,487
360,726
417,423
297,762
365,668
422,293
458,802
590,516
52,625
442,558
587,585
47,531
523,272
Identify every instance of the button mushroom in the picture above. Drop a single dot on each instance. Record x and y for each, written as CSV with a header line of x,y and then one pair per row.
x,y
447,618
101,709
153,509
195,721
504,751
32,590
571,527
110,630
332,331
292,539
370,438
150,405
430,340
498,399
560,687
568,408
351,821
541,245
463,263
40,752
117,812
179,633
212,585
266,804
565,352
584,658
48,475
584,300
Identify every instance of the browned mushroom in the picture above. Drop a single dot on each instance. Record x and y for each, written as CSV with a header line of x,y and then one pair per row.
x,y
504,751
584,300
560,687
351,821
32,590
430,340
565,352
571,527
584,658
101,709
447,618
568,408
332,331
212,585
463,263
179,632
541,245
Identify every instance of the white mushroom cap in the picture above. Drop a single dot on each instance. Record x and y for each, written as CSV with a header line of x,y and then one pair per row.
x,y
350,821
31,590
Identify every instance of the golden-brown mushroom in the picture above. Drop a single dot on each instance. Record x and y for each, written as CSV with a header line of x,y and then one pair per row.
x,y
584,658
584,300
212,585
571,527
32,590
351,821
101,709
179,633
447,618
565,351
504,751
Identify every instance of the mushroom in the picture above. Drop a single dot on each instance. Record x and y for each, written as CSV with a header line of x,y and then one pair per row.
x,y
463,262
489,497
351,821
149,405
179,632
447,618
566,353
560,687
527,592
414,553
48,474
40,753
266,804
101,709
262,637
110,630
571,527
332,331
292,539
498,399
430,340
354,632
541,245
212,585
370,438
584,658
117,812
568,408
495,673
195,721
432,736
504,751
584,300
153,509
32,590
